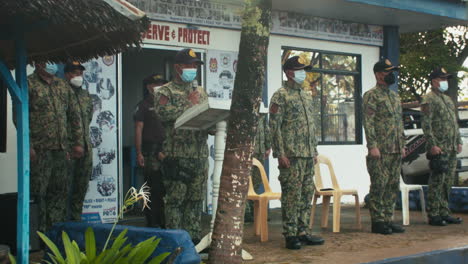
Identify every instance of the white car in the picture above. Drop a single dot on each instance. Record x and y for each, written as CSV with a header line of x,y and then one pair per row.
x,y
415,167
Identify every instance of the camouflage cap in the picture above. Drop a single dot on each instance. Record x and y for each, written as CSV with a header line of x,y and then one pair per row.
x,y
296,63
439,72
74,65
385,65
187,56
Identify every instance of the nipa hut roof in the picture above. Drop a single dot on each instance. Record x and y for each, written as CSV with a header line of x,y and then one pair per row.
x,y
62,30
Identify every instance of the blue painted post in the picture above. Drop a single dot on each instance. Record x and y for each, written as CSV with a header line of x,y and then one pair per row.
x,y
391,48
22,108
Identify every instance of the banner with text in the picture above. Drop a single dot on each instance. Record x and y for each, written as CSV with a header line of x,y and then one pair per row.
x,y
214,14
162,33
100,80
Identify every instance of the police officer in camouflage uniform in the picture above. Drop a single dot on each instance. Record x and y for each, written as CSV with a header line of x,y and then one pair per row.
x,y
52,110
262,150
294,144
443,139
81,168
149,137
185,166
385,142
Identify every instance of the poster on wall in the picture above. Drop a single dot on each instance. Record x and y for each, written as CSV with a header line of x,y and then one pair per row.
x,y
100,80
220,73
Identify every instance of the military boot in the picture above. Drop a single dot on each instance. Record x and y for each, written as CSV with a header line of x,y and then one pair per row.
x,y
452,220
381,228
311,240
293,242
437,221
396,228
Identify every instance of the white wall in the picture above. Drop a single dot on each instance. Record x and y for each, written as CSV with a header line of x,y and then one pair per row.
x,y
8,160
349,160
8,170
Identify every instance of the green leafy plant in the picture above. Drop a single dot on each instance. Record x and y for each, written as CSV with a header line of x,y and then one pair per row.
x,y
118,253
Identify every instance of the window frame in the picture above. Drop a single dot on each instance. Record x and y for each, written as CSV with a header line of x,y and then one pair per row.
x,y
357,92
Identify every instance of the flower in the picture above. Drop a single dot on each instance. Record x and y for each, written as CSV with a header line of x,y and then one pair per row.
x,y
134,196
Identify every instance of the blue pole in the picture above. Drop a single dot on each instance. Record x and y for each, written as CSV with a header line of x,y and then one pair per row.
x,y
22,108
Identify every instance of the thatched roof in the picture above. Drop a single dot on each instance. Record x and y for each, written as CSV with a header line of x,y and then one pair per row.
x,y
61,30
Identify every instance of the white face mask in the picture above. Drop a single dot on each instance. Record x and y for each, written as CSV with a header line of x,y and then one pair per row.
x,y
77,81
443,86
299,76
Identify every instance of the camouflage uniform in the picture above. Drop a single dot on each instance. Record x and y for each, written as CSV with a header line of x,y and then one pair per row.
x,y
262,145
440,128
384,130
189,152
293,136
82,168
53,109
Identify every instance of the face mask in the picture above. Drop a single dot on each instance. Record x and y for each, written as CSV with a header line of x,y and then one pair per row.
x,y
390,78
51,68
443,86
188,75
76,81
299,76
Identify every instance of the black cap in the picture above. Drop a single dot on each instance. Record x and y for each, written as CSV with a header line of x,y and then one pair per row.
x,y
74,65
439,72
296,63
385,65
186,56
154,78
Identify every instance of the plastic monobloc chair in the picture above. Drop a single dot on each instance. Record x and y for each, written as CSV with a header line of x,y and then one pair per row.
x,y
405,189
327,193
261,202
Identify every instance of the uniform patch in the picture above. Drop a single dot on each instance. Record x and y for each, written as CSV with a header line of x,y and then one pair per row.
x,y
274,108
301,60
163,100
192,53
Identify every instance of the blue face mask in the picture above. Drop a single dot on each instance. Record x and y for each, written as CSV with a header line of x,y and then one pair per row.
x,y
299,76
188,75
443,86
51,68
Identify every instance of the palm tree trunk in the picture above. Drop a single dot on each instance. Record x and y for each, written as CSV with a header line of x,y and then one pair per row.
x,y
226,245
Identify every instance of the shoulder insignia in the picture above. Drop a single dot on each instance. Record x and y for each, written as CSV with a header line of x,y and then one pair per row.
x,y
274,108
163,100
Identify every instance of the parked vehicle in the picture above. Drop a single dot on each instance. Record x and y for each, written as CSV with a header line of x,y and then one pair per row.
x,y
415,166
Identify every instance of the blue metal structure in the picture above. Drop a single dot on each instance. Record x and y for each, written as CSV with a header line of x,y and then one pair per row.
x,y
391,48
452,9
19,93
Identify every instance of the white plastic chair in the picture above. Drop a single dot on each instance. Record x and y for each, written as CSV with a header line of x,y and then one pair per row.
x,y
405,189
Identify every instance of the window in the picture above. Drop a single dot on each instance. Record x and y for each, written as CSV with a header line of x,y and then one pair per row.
x,y
334,82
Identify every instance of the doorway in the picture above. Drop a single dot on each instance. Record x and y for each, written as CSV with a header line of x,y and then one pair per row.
x,y
137,64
